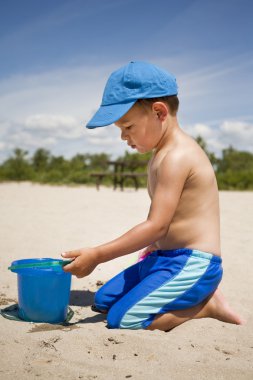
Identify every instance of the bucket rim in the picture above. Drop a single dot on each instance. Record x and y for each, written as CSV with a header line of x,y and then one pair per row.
x,y
48,270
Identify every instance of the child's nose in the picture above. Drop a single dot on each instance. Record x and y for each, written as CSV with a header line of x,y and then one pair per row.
x,y
123,135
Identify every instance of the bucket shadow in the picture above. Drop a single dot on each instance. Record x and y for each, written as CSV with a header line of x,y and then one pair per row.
x,y
84,298
95,319
81,298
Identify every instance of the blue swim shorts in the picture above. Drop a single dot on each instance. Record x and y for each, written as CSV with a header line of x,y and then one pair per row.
x,y
164,281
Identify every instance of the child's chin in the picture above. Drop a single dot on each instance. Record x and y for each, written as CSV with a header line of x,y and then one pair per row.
x,y
142,150
139,149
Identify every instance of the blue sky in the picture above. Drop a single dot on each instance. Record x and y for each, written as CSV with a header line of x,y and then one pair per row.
x,y
57,55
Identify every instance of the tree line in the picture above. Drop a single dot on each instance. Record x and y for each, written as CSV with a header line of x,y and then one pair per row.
x,y
234,170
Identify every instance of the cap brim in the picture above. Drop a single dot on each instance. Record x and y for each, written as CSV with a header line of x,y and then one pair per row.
x,y
107,115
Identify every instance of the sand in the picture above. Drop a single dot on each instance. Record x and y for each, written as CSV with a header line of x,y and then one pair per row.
x,y
42,221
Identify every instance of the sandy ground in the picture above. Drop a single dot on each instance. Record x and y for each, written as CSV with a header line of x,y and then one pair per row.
x,y
42,221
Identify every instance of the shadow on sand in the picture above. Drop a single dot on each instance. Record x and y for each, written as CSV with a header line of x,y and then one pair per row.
x,y
85,298
81,298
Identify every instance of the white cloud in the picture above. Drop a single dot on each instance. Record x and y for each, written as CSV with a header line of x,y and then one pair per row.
x,y
49,122
239,134
104,141
61,126
30,140
61,134
200,129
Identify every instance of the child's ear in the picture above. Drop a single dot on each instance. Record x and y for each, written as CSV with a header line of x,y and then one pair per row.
x,y
161,111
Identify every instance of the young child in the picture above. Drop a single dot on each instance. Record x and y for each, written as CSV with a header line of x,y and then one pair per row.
x,y
181,269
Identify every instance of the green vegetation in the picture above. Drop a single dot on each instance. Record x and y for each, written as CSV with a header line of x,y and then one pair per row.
x,y
234,170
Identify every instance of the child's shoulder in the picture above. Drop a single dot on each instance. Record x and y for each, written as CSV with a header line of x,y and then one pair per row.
x,y
185,151
178,152
182,158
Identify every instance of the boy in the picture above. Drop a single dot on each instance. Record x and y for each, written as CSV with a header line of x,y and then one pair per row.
x,y
181,269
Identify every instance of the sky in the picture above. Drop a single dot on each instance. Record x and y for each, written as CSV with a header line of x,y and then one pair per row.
x,y
56,57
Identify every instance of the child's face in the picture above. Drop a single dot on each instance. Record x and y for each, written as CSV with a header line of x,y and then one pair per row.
x,y
140,128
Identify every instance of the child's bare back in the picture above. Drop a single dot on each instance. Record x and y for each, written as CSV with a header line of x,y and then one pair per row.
x,y
195,223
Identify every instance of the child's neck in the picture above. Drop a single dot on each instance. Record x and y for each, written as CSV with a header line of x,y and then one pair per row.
x,y
171,130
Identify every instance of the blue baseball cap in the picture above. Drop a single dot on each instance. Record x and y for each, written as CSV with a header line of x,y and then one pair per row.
x,y
137,80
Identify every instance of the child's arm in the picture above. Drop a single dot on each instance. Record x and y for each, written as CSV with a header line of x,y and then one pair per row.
x,y
171,177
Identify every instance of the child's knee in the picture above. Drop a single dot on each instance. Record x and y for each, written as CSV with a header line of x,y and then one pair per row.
x,y
116,320
100,299
101,303
113,320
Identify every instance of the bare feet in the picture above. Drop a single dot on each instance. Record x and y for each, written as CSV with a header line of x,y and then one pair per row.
x,y
214,307
217,307
94,308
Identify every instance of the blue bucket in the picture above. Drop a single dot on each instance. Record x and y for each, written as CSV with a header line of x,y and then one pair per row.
x,y
43,292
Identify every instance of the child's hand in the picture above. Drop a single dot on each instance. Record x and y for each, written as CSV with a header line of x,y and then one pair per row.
x,y
85,261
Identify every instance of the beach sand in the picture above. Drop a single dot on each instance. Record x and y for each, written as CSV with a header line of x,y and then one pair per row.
x,y
43,221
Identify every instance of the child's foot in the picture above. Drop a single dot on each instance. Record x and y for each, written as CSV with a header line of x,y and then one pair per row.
x,y
94,308
217,307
